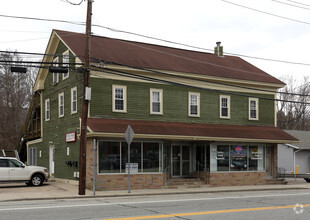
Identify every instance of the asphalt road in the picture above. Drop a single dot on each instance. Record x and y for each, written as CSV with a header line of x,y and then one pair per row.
x,y
288,204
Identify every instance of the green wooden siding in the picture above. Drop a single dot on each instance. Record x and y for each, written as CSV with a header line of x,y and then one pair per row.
x,y
54,130
175,104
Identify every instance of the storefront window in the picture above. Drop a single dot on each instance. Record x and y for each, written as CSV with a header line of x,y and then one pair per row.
x,y
113,156
256,158
220,158
151,162
238,158
109,157
135,155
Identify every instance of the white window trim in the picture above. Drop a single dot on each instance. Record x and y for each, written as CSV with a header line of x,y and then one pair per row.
x,y
124,98
160,101
47,101
66,53
257,107
59,104
72,90
189,104
228,106
56,61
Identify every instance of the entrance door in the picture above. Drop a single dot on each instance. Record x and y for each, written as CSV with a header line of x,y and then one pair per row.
x,y
180,160
52,160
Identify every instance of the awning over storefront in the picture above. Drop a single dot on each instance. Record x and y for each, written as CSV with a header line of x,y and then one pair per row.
x,y
101,127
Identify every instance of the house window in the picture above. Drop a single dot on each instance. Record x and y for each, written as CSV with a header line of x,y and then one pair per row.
x,y
47,110
253,109
32,156
55,75
225,107
156,101
73,100
61,104
65,59
119,98
194,104
113,156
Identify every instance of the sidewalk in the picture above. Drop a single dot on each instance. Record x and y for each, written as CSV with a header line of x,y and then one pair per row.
x,y
63,190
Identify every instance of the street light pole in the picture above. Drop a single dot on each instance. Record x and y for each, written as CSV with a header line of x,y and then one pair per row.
x,y
83,135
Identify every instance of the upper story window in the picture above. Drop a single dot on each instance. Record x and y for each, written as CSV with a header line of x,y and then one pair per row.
x,y
61,104
47,110
224,107
193,104
65,59
119,97
156,97
74,100
55,75
253,109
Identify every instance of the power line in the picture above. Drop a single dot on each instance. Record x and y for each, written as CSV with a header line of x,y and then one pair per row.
x,y
264,12
155,38
217,83
71,3
298,3
296,6
150,79
43,19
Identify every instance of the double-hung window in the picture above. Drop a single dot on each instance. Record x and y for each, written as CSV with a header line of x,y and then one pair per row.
x,y
74,100
156,104
65,60
193,104
47,110
224,107
119,95
253,109
55,75
61,104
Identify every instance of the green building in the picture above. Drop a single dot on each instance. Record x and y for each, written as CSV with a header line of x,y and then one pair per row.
x,y
195,115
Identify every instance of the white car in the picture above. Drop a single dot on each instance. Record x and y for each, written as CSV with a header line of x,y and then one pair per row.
x,y
13,170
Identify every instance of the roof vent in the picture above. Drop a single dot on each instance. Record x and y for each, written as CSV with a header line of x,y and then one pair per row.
x,y
218,50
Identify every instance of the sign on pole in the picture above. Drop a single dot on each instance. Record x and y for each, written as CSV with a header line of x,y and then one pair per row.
x,y
129,134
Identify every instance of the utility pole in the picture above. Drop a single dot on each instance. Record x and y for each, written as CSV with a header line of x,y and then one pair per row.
x,y
83,136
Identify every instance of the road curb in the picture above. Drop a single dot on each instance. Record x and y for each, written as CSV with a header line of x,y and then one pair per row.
x,y
151,193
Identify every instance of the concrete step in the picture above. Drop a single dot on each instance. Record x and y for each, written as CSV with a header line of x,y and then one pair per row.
x,y
185,182
276,181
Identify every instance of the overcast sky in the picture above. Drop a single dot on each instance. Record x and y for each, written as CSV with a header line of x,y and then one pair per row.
x,y
199,23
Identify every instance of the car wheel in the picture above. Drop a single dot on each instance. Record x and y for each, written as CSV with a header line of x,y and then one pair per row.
x,y
36,180
307,180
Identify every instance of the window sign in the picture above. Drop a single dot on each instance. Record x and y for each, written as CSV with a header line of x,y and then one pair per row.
x,y
238,158
220,158
256,158
71,137
133,167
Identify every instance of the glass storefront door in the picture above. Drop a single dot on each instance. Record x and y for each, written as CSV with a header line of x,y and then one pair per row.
x,y
181,160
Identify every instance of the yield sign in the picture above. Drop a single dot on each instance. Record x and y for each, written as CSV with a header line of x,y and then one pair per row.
x,y
129,134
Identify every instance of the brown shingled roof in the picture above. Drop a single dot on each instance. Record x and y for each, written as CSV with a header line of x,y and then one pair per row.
x,y
208,131
151,56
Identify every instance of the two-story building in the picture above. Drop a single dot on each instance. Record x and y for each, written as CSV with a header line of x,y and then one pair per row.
x,y
194,114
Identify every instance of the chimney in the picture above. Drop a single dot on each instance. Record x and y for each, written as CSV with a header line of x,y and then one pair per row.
x,y
218,50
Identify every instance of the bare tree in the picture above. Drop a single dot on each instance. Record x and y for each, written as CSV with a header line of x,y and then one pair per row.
x,y
294,116
15,93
